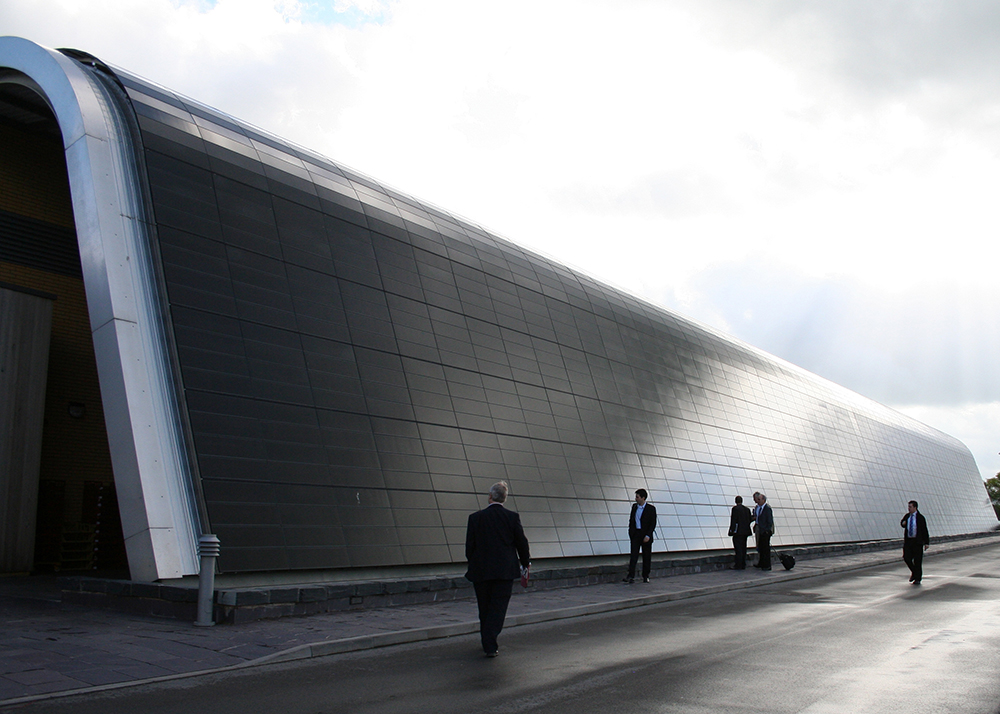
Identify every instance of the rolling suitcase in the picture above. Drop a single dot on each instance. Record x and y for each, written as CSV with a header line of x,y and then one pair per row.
x,y
787,561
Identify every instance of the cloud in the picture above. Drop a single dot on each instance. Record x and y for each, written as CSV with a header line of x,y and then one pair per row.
x,y
934,345
679,193
977,425
937,57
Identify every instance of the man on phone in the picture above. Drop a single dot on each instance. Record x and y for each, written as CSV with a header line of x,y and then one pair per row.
x,y
916,540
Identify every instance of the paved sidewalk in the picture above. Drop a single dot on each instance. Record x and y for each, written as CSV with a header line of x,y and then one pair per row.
x,y
48,648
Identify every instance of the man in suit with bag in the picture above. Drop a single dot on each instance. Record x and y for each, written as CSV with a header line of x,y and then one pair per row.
x,y
764,528
641,524
497,551
739,529
916,540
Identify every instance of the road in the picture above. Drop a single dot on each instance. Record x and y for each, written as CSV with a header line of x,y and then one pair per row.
x,y
864,641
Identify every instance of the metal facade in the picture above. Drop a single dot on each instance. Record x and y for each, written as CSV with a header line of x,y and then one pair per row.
x,y
357,367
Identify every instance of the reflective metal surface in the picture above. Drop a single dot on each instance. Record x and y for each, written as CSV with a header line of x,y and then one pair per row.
x,y
160,522
359,367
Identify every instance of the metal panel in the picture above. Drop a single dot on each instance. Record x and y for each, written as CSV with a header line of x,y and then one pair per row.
x,y
159,516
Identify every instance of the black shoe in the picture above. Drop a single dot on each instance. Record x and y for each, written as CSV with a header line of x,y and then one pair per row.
x,y
494,653
628,579
912,578
645,580
765,568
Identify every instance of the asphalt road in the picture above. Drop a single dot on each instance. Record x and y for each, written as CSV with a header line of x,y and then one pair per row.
x,y
864,641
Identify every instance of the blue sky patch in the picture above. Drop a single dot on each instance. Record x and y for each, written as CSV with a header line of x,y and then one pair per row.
x,y
349,14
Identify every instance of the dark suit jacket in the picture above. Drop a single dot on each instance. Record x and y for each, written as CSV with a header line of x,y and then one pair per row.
x,y
495,545
739,522
648,522
923,537
765,521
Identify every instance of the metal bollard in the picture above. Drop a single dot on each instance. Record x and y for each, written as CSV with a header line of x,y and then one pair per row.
x,y
208,548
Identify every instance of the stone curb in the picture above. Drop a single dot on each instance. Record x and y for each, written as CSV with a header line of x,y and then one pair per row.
x,y
236,605
388,639
364,642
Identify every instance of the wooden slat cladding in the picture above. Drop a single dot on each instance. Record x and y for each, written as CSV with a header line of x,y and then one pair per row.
x,y
33,180
39,251
25,324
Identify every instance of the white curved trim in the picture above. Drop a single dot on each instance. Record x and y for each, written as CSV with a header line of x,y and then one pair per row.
x,y
159,517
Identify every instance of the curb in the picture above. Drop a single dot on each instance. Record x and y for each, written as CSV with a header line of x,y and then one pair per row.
x,y
388,639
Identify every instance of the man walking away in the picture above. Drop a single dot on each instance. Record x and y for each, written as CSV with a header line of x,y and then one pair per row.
x,y
497,551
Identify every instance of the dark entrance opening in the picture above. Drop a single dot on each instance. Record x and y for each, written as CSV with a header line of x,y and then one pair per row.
x,y
77,527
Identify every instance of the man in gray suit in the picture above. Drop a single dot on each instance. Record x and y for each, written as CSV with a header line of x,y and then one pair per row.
x,y
764,528
497,552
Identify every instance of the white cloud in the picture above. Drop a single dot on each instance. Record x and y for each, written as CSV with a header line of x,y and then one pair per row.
x,y
931,345
977,423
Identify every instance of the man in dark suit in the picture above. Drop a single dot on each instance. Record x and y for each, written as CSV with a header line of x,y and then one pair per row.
x,y
497,552
739,529
764,528
641,524
916,540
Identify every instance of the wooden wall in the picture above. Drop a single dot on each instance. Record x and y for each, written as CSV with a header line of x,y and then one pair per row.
x,y
25,327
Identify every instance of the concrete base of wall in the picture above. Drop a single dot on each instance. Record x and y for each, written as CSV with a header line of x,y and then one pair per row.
x,y
241,605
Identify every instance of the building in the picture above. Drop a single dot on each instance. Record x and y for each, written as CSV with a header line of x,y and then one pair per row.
x,y
250,340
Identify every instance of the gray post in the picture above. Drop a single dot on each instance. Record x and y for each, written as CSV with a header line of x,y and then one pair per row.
x,y
208,547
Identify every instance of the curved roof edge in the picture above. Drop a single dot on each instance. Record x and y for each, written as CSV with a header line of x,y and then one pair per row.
x,y
148,451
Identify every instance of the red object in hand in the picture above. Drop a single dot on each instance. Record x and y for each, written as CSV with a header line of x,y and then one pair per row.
x,y
524,577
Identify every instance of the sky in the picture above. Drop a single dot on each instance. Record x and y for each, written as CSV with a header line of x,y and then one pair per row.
x,y
818,179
